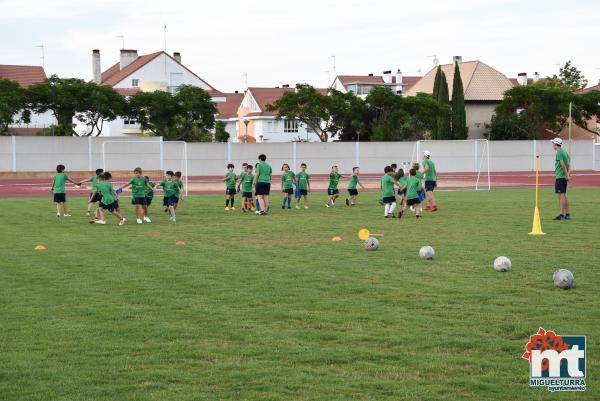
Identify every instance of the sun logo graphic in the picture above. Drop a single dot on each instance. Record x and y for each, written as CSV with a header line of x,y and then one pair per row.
x,y
556,362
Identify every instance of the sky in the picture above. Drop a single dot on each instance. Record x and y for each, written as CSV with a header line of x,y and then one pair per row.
x,y
269,43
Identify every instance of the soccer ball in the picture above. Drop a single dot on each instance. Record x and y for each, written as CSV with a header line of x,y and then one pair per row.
x,y
371,244
502,264
563,278
426,252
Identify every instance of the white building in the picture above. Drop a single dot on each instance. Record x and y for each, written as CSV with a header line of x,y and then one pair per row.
x,y
145,73
26,75
361,85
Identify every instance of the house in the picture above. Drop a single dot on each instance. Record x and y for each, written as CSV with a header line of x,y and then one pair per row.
x,y
26,75
361,85
135,73
228,113
484,89
256,124
593,125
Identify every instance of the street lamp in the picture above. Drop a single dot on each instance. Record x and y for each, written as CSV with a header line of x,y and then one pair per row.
x,y
246,122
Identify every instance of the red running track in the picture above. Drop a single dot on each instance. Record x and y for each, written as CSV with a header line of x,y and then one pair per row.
x,y
40,187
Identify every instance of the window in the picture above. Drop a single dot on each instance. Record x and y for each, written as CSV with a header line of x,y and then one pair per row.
x,y
290,126
135,83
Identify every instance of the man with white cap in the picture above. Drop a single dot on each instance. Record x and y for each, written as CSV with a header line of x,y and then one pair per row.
x,y
430,181
563,175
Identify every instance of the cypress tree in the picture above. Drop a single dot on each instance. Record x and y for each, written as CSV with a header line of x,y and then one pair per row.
x,y
459,118
443,125
436,90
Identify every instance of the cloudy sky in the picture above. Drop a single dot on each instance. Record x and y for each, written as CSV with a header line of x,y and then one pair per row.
x,y
276,42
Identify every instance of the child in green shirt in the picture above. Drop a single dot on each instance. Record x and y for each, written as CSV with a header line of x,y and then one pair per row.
x,y
230,182
170,189
109,199
149,195
303,184
332,189
287,185
352,191
58,190
97,197
413,186
246,182
388,195
139,187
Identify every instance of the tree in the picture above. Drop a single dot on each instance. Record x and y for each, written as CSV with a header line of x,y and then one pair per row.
x,y
443,124
221,135
102,103
512,127
572,76
459,116
13,105
437,82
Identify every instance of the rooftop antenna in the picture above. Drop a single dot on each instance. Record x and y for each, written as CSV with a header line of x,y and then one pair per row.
x,y
435,59
332,57
43,55
165,57
122,37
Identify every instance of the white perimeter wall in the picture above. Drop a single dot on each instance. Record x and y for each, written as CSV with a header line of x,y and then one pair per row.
x,y
83,154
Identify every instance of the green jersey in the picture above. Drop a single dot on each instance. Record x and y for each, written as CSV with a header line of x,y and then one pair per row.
x,y
105,188
59,183
247,181
387,186
413,187
150,192
263,171
288,180
561,154
170,188
138,187
430,175
230,180
94,181
354,180
178,187
334,179
303,179
419,175
403,181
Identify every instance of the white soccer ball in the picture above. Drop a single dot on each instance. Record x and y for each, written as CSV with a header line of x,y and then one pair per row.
x,y
426,252
563,278
371,244
502,264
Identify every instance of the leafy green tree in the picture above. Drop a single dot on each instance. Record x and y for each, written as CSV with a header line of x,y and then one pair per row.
x,y
13,105
221,134
459,116
572,76
512,127
102,104
436,92
443,124
351,116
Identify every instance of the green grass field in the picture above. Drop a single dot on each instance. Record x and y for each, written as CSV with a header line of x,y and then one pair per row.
x,y
269,308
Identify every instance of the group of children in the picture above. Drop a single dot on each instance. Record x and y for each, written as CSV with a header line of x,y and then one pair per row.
x,y
104,194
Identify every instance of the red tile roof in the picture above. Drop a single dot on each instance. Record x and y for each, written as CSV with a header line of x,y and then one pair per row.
x,y
591,89
25,75
24,131
229,108
266,96
127,91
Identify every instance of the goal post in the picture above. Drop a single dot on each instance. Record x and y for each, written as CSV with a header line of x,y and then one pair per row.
x,y
462,163
149,155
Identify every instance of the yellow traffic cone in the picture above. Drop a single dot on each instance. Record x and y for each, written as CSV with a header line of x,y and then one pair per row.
x,y
536,229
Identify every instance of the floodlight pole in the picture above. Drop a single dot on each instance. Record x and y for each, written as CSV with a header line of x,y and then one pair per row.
x,y
570,124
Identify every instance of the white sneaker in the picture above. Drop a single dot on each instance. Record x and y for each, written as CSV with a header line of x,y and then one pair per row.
x,y
138,220
100,222
147,219
66,215
306,206
327,205
122,222
297,206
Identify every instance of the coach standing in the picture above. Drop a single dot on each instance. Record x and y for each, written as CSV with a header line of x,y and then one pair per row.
x,y
563,175
262,183
430,181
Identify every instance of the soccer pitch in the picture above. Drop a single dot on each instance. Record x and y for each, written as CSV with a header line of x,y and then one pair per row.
x,y
269,308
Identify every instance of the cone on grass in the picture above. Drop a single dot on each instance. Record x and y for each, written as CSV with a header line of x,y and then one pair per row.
x,y
536,229
180,243
336,238
40,248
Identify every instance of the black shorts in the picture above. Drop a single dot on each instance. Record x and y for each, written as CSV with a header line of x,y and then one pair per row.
x,y
111,207
331,191
302,192
148,201
165,203
172,200
560,186
139,200
353,192
430,186
288,191
230,191
389,199
413,201
95,197
263,188
60,198
247,194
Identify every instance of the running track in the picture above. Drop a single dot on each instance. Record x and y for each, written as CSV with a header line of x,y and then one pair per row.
x,y
20,187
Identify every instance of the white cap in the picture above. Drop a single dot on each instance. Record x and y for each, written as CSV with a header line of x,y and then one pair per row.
x,y
557,141
427,153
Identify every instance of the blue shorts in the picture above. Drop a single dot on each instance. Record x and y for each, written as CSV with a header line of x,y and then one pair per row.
x,y
430,186
331,191
422,196
560,186
60,198
139,201
148,201
247,194
110,207
230,191
172,200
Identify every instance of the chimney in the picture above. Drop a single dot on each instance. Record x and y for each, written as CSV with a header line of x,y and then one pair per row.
x,y
457,59
127,57
371,74
399,82
236,92
536,76
177,57
387,77
285,85
522,79
96,71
